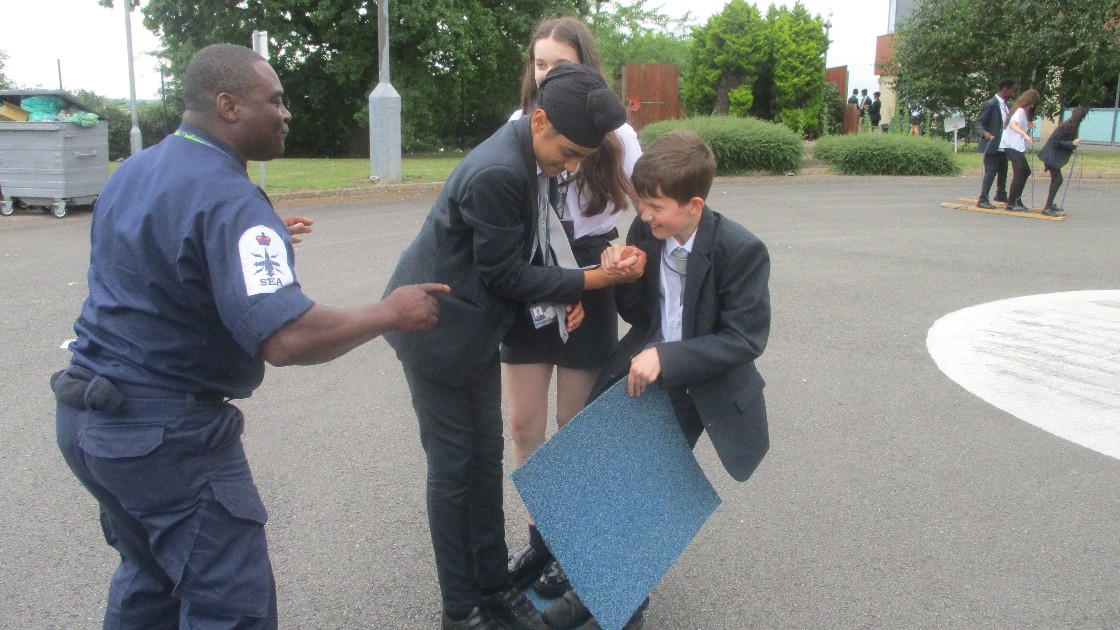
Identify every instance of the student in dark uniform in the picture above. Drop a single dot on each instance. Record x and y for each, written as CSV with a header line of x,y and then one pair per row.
x,y
1056,152
588,203
700,317
989,128
478,239
191,289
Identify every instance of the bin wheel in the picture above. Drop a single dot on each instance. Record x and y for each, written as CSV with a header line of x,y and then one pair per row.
x,y
58,209
6,207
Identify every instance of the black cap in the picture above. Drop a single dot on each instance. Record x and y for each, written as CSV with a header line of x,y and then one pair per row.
x,y
579,104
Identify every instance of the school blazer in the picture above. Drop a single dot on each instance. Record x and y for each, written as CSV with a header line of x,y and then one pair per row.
x,y
990,120
725,327
477,239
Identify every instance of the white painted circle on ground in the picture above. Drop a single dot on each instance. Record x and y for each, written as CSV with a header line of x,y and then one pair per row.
x,y
1050,360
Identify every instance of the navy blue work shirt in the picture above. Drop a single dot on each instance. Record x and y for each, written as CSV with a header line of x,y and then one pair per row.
x,y
191,271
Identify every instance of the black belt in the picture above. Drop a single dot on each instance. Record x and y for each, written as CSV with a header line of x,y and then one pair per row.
x,y
82,389
150,391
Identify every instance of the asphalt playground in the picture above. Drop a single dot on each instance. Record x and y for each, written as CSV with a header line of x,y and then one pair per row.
x,y
893,496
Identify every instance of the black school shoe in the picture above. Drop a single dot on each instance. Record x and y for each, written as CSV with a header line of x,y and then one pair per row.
x,y
1000,198
985,205
514,611
478,620
552,582
525,565
570,612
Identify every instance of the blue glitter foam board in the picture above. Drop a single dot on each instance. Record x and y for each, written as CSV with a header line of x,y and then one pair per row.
x,y
618,495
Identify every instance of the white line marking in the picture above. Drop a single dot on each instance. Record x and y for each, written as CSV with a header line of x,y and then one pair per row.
x,y
1050,360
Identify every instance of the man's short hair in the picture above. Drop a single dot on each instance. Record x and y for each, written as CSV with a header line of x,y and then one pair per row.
x,y
216,69
678,163
1006,83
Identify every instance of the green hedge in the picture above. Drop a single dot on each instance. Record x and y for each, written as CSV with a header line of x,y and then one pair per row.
x,y
741,145
886,154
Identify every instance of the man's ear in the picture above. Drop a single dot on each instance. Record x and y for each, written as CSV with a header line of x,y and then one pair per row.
x,y
695,205
539,121
226,107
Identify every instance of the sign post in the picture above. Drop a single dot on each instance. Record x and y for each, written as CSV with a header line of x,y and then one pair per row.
x,y
953,123
384,111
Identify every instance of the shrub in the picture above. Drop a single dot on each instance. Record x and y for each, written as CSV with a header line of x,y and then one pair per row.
x,y
741,145
886,154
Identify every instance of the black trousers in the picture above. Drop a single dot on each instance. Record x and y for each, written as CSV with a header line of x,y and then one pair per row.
x,y
1020,171
1055,184
461,432
995,169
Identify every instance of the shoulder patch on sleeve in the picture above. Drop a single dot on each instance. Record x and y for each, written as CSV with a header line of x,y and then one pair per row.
x,y
264,261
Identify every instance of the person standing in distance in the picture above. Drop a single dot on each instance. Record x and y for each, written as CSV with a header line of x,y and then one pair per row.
x,y
1056,152
989,128
1014,142
587,204
191,289
491,215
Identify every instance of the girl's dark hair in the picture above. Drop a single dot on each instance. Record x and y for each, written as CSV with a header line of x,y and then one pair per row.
x,y
1027,100
1069,128
600,176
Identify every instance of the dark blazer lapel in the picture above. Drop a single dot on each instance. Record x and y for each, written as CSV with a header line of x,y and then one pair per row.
x,y
524,138
652,247
699,264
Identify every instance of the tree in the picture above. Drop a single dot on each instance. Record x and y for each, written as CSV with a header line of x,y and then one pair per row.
x,y
797,68
950,54
4,83
456,63
636,34
772,68
727,55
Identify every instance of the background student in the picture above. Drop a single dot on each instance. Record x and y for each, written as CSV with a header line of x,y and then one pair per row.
x,y
1056,152
587,202
1014,142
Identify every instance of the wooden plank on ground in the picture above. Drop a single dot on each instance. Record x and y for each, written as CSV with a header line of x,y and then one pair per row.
x,y
1033,214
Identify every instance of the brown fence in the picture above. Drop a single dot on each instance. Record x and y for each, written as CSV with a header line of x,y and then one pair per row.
x,y
651,92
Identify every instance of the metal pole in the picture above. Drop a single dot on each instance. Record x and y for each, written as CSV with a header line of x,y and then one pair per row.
x,y
260,46
1115,109
59,74
135,142
384,111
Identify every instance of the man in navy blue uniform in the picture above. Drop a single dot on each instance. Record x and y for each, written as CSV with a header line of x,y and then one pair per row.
x,y
191,289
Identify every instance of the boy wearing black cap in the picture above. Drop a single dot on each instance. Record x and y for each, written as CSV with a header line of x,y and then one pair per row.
x,y
478,239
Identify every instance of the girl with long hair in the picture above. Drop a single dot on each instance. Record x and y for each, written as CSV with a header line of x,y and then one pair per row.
x,y
1014,142
587,203
1057,151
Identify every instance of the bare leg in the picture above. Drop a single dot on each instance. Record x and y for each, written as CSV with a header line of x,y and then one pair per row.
x,y
527,388
573,386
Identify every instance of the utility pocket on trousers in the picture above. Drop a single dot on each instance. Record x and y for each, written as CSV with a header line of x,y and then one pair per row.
x,y
119,440
228,570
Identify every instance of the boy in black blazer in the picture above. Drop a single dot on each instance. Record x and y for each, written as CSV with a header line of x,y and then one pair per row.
x,y
702,343
698,322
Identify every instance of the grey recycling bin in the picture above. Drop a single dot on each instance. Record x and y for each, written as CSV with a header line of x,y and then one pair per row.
x,y
51,164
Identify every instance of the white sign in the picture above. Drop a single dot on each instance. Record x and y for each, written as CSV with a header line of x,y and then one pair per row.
x,y
953,123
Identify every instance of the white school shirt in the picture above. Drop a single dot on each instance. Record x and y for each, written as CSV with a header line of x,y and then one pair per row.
x,y
672,306
1011,139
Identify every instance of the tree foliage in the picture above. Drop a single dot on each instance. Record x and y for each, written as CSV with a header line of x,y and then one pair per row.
x,y
951,54
456,63
634,33
4,82
770,68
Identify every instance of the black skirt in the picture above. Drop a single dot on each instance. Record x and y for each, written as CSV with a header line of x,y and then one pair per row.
x,y
589,345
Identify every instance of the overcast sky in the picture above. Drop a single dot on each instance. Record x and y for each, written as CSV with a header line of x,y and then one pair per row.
x,y
88,42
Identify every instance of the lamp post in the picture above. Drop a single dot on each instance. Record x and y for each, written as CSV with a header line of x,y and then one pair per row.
x,y
384,111
135,143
